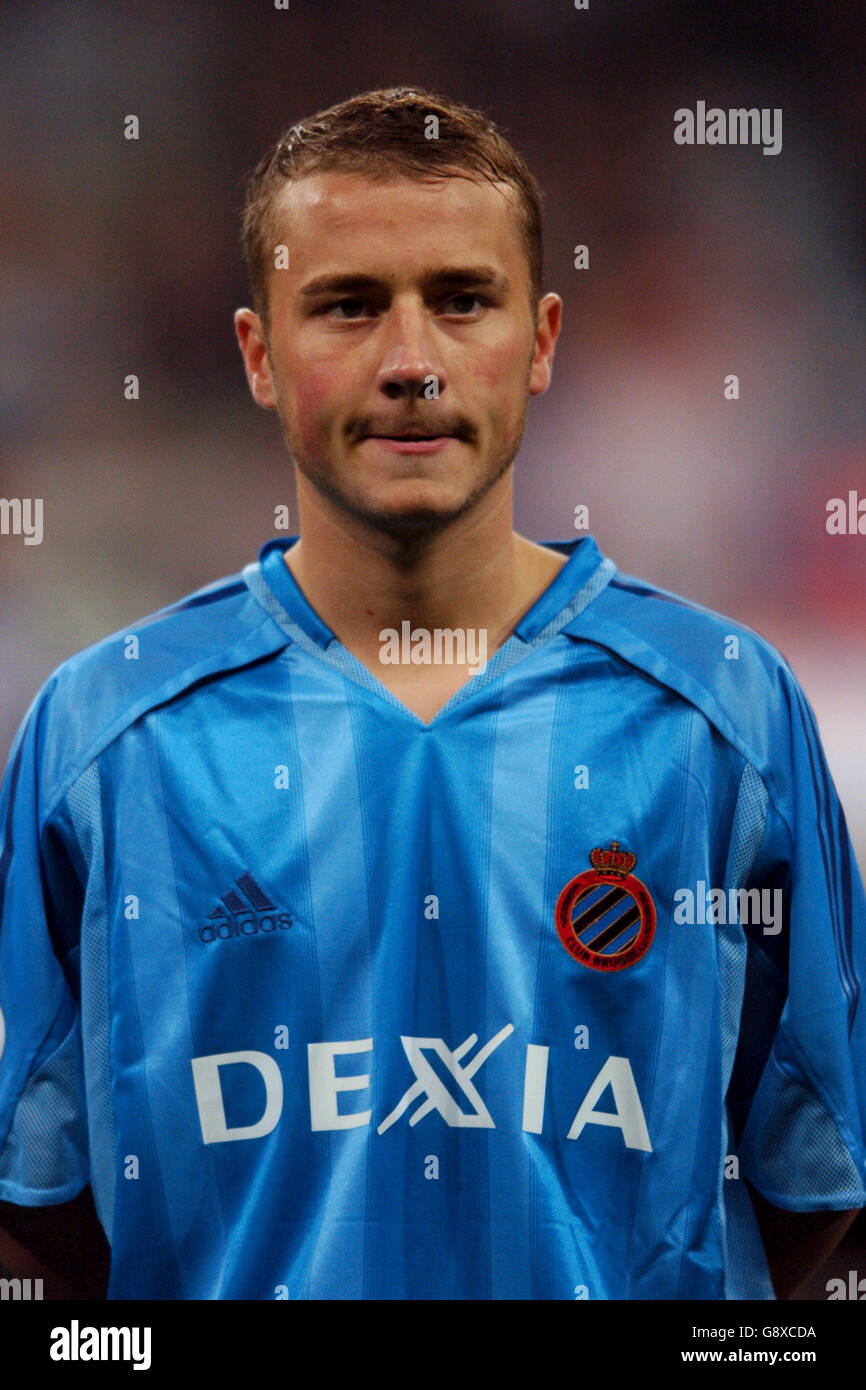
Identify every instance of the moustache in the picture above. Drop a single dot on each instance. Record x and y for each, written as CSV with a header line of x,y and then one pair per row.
x,y
415,429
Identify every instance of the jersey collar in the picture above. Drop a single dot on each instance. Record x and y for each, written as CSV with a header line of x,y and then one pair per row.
x,y
584,559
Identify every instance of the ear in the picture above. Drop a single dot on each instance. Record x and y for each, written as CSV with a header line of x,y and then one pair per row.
x,y
548,323
254,350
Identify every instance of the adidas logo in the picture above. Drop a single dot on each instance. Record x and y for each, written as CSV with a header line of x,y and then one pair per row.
x,y
235,917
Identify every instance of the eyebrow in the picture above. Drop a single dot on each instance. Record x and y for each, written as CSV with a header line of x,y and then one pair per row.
x,y
439,277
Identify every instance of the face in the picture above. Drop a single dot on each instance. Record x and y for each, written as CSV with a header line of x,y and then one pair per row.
x,y
404,311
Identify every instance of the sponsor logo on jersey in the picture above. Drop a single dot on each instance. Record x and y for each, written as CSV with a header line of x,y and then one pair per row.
x,y
435,1093
605,917
248,912
445,1083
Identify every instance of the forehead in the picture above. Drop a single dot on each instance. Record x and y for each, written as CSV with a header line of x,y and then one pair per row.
x,y
352,216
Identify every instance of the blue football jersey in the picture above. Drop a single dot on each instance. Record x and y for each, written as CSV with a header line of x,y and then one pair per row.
x,y
326,1002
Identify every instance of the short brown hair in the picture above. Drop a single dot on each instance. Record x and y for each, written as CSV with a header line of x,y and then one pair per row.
x,y
381,134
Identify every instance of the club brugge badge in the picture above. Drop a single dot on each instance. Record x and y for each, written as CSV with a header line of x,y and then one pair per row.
x,y
605,917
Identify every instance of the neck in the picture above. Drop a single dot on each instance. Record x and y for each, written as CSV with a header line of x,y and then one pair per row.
x,y
477,573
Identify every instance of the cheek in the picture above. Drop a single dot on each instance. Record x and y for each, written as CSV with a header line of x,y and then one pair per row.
x,y
309,401
500,374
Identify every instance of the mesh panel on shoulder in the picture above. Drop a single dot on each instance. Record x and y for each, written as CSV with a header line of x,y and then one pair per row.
x,y
746,1272
85,808
747,832
46,1149
802,1154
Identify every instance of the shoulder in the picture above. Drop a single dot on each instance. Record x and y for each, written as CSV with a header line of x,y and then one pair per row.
x,y
93,696
739,681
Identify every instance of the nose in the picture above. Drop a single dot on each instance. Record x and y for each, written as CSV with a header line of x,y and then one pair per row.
x,y
410,364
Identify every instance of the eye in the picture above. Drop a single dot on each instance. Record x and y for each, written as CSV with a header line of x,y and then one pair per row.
x,y
467,300
351,303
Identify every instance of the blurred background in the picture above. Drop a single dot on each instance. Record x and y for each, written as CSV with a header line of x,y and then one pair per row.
x,y
122,257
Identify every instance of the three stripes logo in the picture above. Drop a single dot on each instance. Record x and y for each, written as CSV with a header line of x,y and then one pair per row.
x,y
248,912
605,917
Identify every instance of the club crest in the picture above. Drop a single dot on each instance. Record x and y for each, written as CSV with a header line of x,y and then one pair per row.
x,y
605,916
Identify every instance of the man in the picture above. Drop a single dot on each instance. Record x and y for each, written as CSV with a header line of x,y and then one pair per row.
x,y
338,970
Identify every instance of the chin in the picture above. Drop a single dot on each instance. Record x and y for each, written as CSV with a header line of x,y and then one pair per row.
x,y
411,518
414,521
407,507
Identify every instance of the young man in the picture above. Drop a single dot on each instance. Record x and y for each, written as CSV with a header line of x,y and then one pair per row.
x,y
338,971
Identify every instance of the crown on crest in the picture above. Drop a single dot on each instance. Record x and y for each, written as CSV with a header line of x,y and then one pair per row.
x,y
616,861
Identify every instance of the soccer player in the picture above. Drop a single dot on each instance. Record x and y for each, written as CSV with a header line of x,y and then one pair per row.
x,y
424,912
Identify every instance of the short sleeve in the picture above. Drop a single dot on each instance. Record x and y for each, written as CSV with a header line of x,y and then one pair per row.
x,y
798,1090
43,1123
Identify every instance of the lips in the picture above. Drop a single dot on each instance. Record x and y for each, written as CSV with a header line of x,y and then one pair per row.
x,y
411,443
411,435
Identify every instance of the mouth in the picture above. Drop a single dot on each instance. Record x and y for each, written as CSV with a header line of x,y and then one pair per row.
x,y
411,443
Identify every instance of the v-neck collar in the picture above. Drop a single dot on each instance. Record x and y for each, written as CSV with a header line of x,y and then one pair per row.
x,y
584,574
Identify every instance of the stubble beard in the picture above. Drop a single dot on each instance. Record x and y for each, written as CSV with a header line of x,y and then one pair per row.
x,y
407,525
